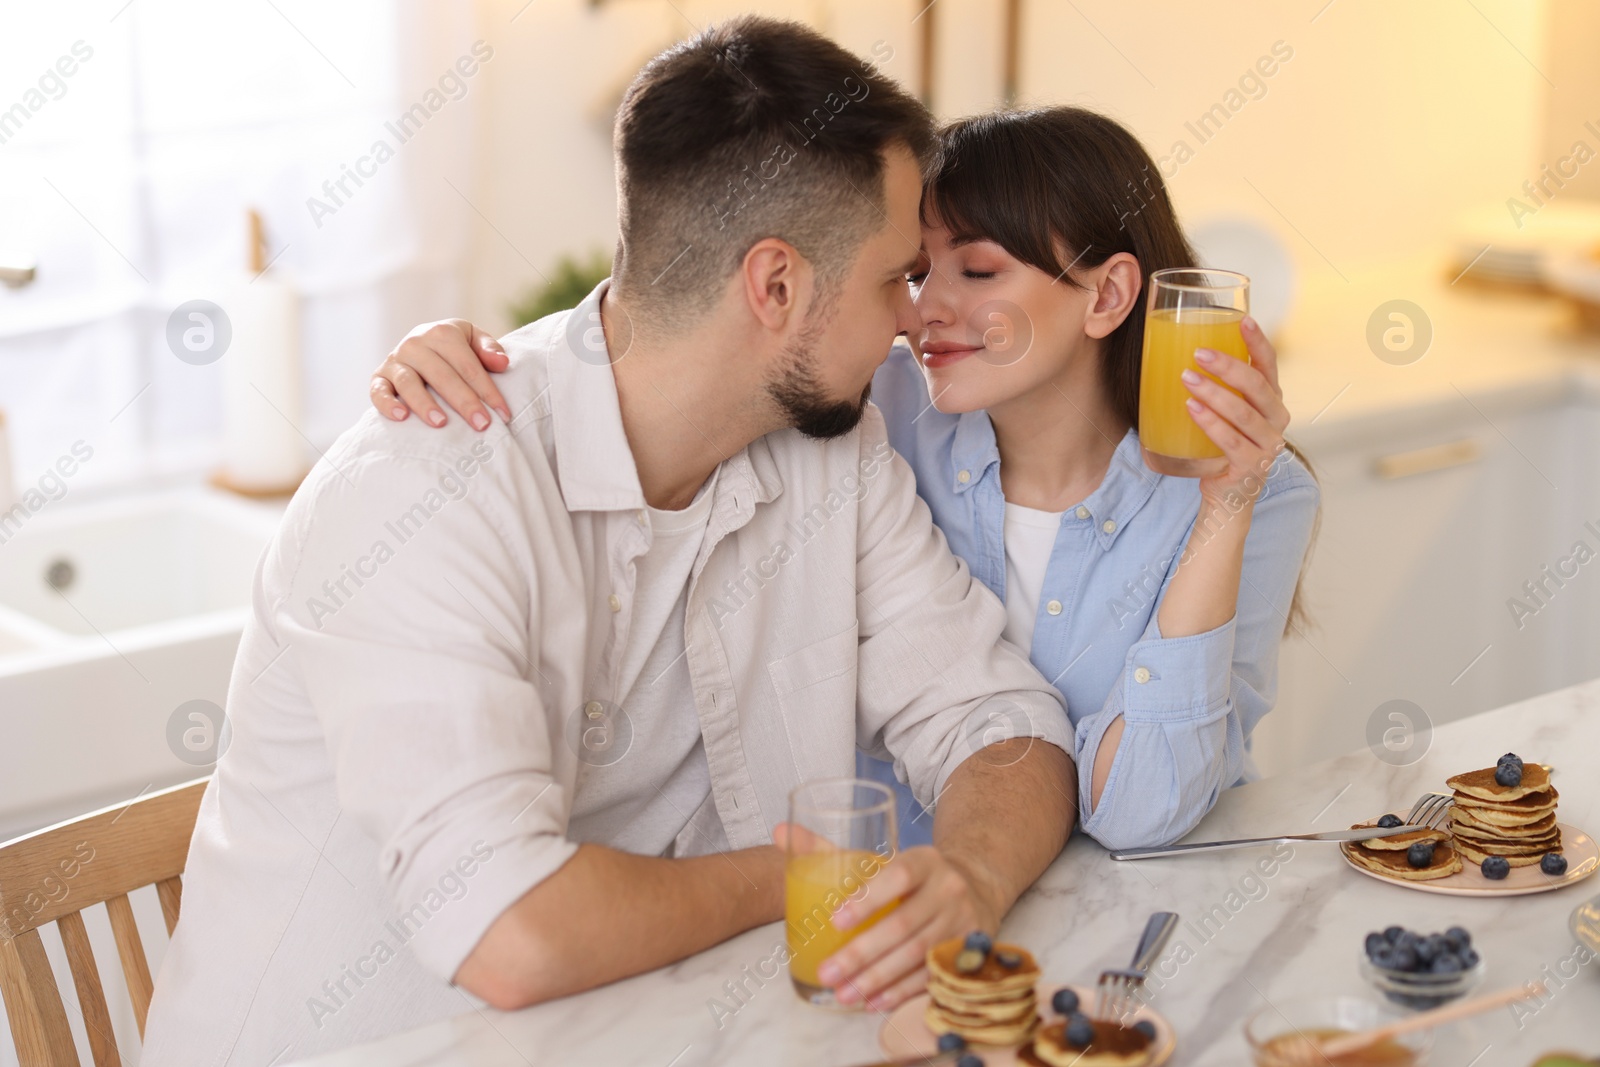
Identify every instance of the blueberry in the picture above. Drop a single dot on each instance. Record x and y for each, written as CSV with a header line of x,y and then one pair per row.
x,y
1392,933
1080,1031
1508,774
1447,963
1374,943
1390,820
1458,937
1420,854
1404,958
978,941
1146,1027
1009,960
1429,948
1469,958
1408,939
1553,863
951,1042
1496,867
1065,1002
1509,757
970,1060
1384,958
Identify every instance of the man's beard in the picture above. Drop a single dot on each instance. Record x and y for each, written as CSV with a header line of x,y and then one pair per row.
x,y
799,393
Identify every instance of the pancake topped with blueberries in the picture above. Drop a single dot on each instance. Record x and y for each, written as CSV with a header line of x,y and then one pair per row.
x,y
1498,783
982,990
1422,861
1076,1040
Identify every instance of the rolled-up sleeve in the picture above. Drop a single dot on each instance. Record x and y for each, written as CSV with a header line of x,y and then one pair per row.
x,y
413,620
935,682
1188,703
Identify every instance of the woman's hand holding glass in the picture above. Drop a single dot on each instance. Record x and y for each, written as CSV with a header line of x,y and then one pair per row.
x,y
1246,420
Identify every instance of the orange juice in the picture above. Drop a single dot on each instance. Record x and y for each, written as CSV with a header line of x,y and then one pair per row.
x,y
815,885
1170,337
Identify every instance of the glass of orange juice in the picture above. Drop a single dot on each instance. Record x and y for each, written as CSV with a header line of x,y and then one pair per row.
x,y
1188,308
841,834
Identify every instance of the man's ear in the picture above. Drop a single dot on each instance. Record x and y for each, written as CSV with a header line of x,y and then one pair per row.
x,y
1117,284
777,282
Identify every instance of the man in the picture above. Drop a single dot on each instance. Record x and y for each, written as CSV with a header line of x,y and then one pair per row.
x,y
519,713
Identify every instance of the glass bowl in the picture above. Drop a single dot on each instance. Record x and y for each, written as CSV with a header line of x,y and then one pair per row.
x,y
1421,991
1311,1015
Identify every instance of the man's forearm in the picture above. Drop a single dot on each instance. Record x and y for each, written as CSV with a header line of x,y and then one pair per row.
x,y
1005,814
607,914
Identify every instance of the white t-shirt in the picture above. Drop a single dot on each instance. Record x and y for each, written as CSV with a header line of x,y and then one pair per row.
x,y
614,802
1030,538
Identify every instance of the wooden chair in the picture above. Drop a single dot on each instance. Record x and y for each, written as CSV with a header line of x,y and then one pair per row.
x,y
52,875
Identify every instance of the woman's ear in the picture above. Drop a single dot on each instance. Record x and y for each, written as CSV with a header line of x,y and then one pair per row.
x,y
775,276
1117,285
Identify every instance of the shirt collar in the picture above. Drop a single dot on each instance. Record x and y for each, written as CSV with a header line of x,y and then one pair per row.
x,y
973,451
593,459
1127,487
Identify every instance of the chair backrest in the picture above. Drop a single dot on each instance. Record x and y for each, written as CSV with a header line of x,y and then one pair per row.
x,y
52,875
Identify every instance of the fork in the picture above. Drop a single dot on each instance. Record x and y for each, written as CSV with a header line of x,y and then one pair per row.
x,y
1116,990
1430,812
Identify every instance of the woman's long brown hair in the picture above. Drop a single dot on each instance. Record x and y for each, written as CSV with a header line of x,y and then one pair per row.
x,y
1046,181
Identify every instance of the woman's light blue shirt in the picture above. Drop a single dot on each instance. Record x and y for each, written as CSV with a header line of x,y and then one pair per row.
x,y
1188,703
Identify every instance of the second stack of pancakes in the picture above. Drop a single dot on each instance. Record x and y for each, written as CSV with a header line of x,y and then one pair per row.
x,y
1517,822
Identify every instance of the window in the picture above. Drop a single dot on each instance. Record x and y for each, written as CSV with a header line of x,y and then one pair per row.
x,y
135,137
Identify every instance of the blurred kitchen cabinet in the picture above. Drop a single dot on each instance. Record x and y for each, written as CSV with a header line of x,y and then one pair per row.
x,y
1431,525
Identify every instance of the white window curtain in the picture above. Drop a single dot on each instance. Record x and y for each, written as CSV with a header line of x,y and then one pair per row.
x,y
135,135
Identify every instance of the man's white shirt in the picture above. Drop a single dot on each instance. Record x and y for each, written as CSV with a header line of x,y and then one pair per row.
x,y
436,670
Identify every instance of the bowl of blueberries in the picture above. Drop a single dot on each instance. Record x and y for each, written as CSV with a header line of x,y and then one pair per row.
x,y
1421,971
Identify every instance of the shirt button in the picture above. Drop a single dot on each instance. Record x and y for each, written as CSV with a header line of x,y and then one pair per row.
x,y
1054,607
641,515
593,709
1142,675
1109,526
1083,512
615,602
963,477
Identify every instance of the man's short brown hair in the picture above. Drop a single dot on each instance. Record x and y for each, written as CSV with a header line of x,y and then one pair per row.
x,y
751,129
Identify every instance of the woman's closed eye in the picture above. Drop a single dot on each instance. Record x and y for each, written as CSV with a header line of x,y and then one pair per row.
x,y
917,277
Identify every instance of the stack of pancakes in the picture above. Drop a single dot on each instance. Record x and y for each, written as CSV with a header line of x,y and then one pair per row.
x,y
1114,1045
994,1005
1387,855
1517,822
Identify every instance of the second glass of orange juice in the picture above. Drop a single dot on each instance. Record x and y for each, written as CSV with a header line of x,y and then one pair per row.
x,y
1189,308
841,834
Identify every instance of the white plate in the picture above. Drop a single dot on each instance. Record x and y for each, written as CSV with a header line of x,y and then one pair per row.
x,y
1583,859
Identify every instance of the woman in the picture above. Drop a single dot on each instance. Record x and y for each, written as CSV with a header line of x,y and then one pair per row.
x,y
1154,604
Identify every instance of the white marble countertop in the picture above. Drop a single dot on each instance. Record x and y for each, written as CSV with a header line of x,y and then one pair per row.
x,y
1297,933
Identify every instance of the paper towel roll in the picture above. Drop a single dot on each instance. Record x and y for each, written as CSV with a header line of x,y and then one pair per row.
x,y
264,451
